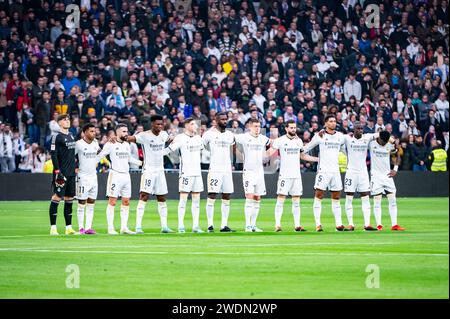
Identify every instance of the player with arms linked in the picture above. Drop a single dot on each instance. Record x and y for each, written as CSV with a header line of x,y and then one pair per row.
x,y
382,180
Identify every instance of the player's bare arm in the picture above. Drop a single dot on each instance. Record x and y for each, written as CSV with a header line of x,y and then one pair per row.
x,y
393,172
308,158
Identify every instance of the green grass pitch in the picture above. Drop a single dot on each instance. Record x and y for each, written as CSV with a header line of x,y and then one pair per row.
x,y
411,264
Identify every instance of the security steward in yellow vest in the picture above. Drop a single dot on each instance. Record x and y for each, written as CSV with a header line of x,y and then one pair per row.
x,y
437,157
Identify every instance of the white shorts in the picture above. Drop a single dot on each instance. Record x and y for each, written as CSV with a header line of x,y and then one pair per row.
x,y
290,186
154,183
188,184
328,181
382,184
254,183
87,187
118,185
219,182
356,182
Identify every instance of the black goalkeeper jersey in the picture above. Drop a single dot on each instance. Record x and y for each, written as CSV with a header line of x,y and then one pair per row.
x,y
63,153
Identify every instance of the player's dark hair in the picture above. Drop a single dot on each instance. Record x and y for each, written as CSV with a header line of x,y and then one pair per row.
x,y
120,126
188,120
385,136
87,127
220,114
290,122
62,117
156,117
329,116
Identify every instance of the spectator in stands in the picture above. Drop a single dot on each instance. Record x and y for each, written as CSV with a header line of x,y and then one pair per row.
x,y
289,60
419,154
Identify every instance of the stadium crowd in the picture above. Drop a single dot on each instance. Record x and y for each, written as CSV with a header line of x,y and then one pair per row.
x,y
271,60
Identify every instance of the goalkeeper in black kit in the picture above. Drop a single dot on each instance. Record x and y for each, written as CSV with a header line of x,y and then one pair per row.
x,y
64,176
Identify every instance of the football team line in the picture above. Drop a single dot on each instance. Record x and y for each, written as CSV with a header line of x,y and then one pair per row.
x,y
75,174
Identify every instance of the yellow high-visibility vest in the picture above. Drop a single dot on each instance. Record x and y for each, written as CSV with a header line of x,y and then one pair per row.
x,y
440,160
48,166
342,162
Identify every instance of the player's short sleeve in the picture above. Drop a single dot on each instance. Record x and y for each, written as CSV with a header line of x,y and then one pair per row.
x,y
301,145
390,147
97,146
206,137
343,138
239,138
370,137
276,144
164,136
141,138
176,143
232,138
266,140
77,147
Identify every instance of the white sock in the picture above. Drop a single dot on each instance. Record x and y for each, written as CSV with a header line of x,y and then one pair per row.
x,y
377,209
181,212
296,212
80,215
210,211
124,213
89,215
278,212
392,208
162,210
365,203
248,210
195,209
336,208
317,208
140,209
349,209
53,227
255,212
68,227
110,216
225,212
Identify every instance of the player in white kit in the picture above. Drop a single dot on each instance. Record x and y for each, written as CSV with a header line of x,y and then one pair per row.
x,y
153,179
382,178
190,145
86,150
119,181
328,175
290,147
220,179
357,177
254,146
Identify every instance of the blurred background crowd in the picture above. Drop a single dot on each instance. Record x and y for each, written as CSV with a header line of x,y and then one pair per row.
x,y
271,60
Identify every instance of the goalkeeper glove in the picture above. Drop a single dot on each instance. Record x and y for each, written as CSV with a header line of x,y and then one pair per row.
x,y
60,180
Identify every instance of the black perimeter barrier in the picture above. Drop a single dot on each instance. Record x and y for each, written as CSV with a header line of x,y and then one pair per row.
x,y
27,186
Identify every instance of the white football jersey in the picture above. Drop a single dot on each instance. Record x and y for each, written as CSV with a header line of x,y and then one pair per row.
x,y
329,147
153,149
254,149
357,152
290,149
219,145
190,148
87,156
380,158
119,155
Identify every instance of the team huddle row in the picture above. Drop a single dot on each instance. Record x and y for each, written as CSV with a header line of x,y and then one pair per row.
x,y
255,146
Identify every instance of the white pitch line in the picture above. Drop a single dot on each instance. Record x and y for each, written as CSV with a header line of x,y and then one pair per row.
x,y
214,245
233,245
222,253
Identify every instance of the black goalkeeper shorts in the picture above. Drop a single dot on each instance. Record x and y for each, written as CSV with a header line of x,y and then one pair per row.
x,y
68,190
